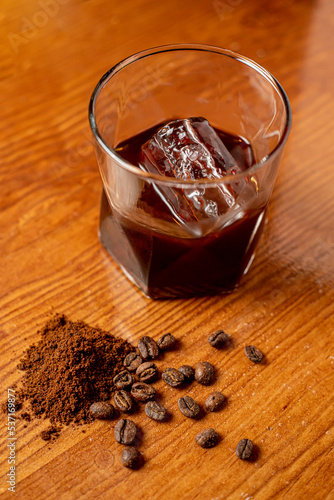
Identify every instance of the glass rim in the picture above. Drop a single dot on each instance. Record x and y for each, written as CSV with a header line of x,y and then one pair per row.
x,y
148,176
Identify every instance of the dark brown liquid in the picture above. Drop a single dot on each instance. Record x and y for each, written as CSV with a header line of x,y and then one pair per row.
x,y
169,265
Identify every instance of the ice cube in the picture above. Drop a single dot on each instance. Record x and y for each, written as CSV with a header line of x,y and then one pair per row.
x,y
190,149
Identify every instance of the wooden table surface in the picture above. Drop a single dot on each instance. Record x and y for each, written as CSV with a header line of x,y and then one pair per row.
x,y
52,54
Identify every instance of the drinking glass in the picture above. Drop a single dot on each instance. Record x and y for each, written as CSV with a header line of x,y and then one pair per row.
x,y
141,228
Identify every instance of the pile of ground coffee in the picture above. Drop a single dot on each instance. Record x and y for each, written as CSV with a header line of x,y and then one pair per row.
x,y
72,366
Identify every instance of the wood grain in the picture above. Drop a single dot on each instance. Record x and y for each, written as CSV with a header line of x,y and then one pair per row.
x,y
53,53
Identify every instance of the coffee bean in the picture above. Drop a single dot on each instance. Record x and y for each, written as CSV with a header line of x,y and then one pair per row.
x,y
188,372
142,392
131,458
147,372
155,411
214,401
166,341
253,353
218,339
204,373
244,449
172,377
148,348
132,361
188,407
123,380
207,438
102,409
125,431
123,401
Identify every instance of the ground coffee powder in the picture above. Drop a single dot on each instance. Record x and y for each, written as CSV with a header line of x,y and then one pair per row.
x,y
72,366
